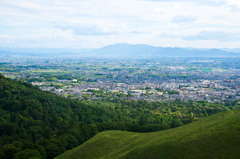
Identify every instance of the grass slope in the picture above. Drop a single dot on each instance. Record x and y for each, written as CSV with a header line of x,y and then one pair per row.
x,y
217,136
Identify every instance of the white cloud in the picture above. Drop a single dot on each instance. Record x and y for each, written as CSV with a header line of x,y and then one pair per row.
x,y
92,23
214,35
184,19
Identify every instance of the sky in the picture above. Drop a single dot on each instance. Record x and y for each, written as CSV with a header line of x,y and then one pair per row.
x,y
97,23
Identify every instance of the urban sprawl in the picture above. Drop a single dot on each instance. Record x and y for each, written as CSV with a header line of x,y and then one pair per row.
x,y
153,79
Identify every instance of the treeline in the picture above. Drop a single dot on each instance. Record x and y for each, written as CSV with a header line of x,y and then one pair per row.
x,y
37,124
161,112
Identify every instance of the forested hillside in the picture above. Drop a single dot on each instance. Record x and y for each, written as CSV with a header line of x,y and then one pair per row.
x,y
35,122
39,124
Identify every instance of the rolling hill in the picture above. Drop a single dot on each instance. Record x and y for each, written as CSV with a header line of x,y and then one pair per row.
x,y
217,136
39,124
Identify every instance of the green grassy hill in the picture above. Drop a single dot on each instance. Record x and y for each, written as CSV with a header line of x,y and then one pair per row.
x,y
217,136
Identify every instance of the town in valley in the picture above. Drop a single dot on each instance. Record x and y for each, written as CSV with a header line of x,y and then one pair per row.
x,y
153,79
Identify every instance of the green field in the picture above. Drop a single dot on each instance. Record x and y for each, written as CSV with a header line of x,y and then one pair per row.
x,y
214,137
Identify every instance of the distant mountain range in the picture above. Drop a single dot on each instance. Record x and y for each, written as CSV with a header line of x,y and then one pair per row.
x,y
122,50
140,50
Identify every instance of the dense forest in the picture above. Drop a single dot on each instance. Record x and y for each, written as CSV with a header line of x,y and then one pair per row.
x,y
38,124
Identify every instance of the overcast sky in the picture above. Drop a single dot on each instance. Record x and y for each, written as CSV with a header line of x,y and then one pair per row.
x,y
96,23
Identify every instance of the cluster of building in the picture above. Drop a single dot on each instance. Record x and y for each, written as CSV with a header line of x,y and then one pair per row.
x,y
214,80
200,89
